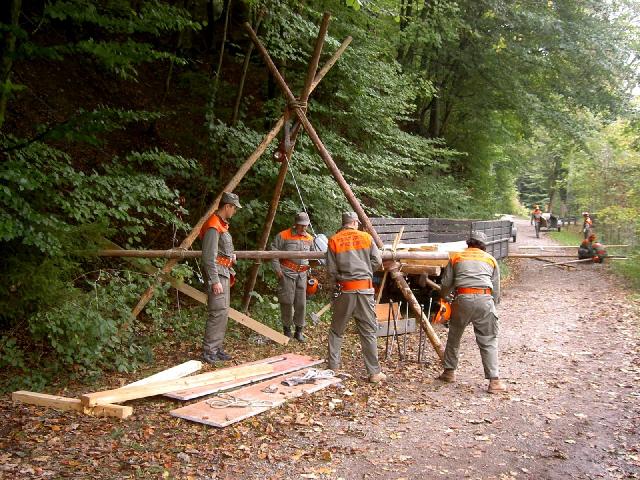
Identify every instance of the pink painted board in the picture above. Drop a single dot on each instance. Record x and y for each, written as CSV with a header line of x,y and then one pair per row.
x,y
202,412
282,364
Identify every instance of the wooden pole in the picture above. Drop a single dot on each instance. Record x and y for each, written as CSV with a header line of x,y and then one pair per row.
x,y
282,174
235,180
263,254
554,264
335,171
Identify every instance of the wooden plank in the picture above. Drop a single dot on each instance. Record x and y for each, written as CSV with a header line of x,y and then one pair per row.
x,y
70,404
158,388
179,371
431,270
290,362
201,297
202,412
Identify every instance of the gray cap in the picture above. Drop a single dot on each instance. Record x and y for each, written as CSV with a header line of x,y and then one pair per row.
x,y
348,217
302,218
231,199
478,237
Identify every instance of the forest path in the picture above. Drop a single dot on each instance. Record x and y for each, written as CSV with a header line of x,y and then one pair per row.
x,y
569,352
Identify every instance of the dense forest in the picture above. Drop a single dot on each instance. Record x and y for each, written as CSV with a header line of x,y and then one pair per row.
x,y
123,119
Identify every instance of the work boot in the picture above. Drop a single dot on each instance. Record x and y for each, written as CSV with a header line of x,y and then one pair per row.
x,y
496,386
298,335
287,331
210,358
448,375
377,377
222,356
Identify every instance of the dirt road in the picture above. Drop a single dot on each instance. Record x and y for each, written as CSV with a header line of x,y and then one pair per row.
x,y
570,353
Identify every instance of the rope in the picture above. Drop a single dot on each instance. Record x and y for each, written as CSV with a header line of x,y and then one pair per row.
x,y
297,104
226,400
295,182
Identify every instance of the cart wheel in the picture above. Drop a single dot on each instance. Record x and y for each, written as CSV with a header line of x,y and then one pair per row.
x,y
514,239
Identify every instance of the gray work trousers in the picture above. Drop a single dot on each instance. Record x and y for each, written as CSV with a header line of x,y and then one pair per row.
x,y
481,312
362,308
292,296
218,315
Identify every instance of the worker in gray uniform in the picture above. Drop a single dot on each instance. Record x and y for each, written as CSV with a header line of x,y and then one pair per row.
x,y
218,259
352,257
473,277
292,275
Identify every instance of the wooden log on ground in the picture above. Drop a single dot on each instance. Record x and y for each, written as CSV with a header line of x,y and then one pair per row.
x,y
158,388
71,404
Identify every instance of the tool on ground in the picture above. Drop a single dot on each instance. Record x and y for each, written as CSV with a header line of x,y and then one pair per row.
x,y
315,317
310,376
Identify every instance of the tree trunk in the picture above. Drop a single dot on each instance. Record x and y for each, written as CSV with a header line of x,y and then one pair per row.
x,y
9,15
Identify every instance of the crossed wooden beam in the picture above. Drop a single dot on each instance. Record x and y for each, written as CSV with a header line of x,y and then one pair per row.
x,y
296,106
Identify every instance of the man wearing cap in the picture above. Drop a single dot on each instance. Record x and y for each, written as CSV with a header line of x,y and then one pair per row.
x,y
473,276
292,275
217,259
536,216
352,257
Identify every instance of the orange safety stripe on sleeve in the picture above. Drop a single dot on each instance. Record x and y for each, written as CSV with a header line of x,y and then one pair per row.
x,y
216,222
288,234
349,239
472,255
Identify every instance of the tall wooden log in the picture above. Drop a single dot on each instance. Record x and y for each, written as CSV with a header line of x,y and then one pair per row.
x,y
235,180
282,174
335,171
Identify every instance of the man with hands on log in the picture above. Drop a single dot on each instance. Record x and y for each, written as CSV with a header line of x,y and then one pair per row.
x,y
292,275
473,276
352,257
218,258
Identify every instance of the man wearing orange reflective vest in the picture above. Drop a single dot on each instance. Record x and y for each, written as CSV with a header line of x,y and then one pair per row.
x,y
473,276
217,259
536,217
292,275
352,257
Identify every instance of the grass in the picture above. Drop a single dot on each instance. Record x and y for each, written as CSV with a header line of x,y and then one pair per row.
x,y
627,269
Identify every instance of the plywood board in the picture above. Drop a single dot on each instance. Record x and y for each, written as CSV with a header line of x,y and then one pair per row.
x,y
282,364
202,412
405,325
158,388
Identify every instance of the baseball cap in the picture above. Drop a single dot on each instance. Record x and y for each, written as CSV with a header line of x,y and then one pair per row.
x,y
230,198
302,218
348,217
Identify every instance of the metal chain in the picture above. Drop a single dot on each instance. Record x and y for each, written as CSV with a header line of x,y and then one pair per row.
x,y
295,182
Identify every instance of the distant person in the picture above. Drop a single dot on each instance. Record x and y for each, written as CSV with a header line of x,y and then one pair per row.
x,y
536,218
586,250
292,275
473,276
217,258
587,225
352,257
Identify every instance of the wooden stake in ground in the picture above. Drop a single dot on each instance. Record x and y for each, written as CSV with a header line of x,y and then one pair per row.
x,y
335,171
235,181
393,249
